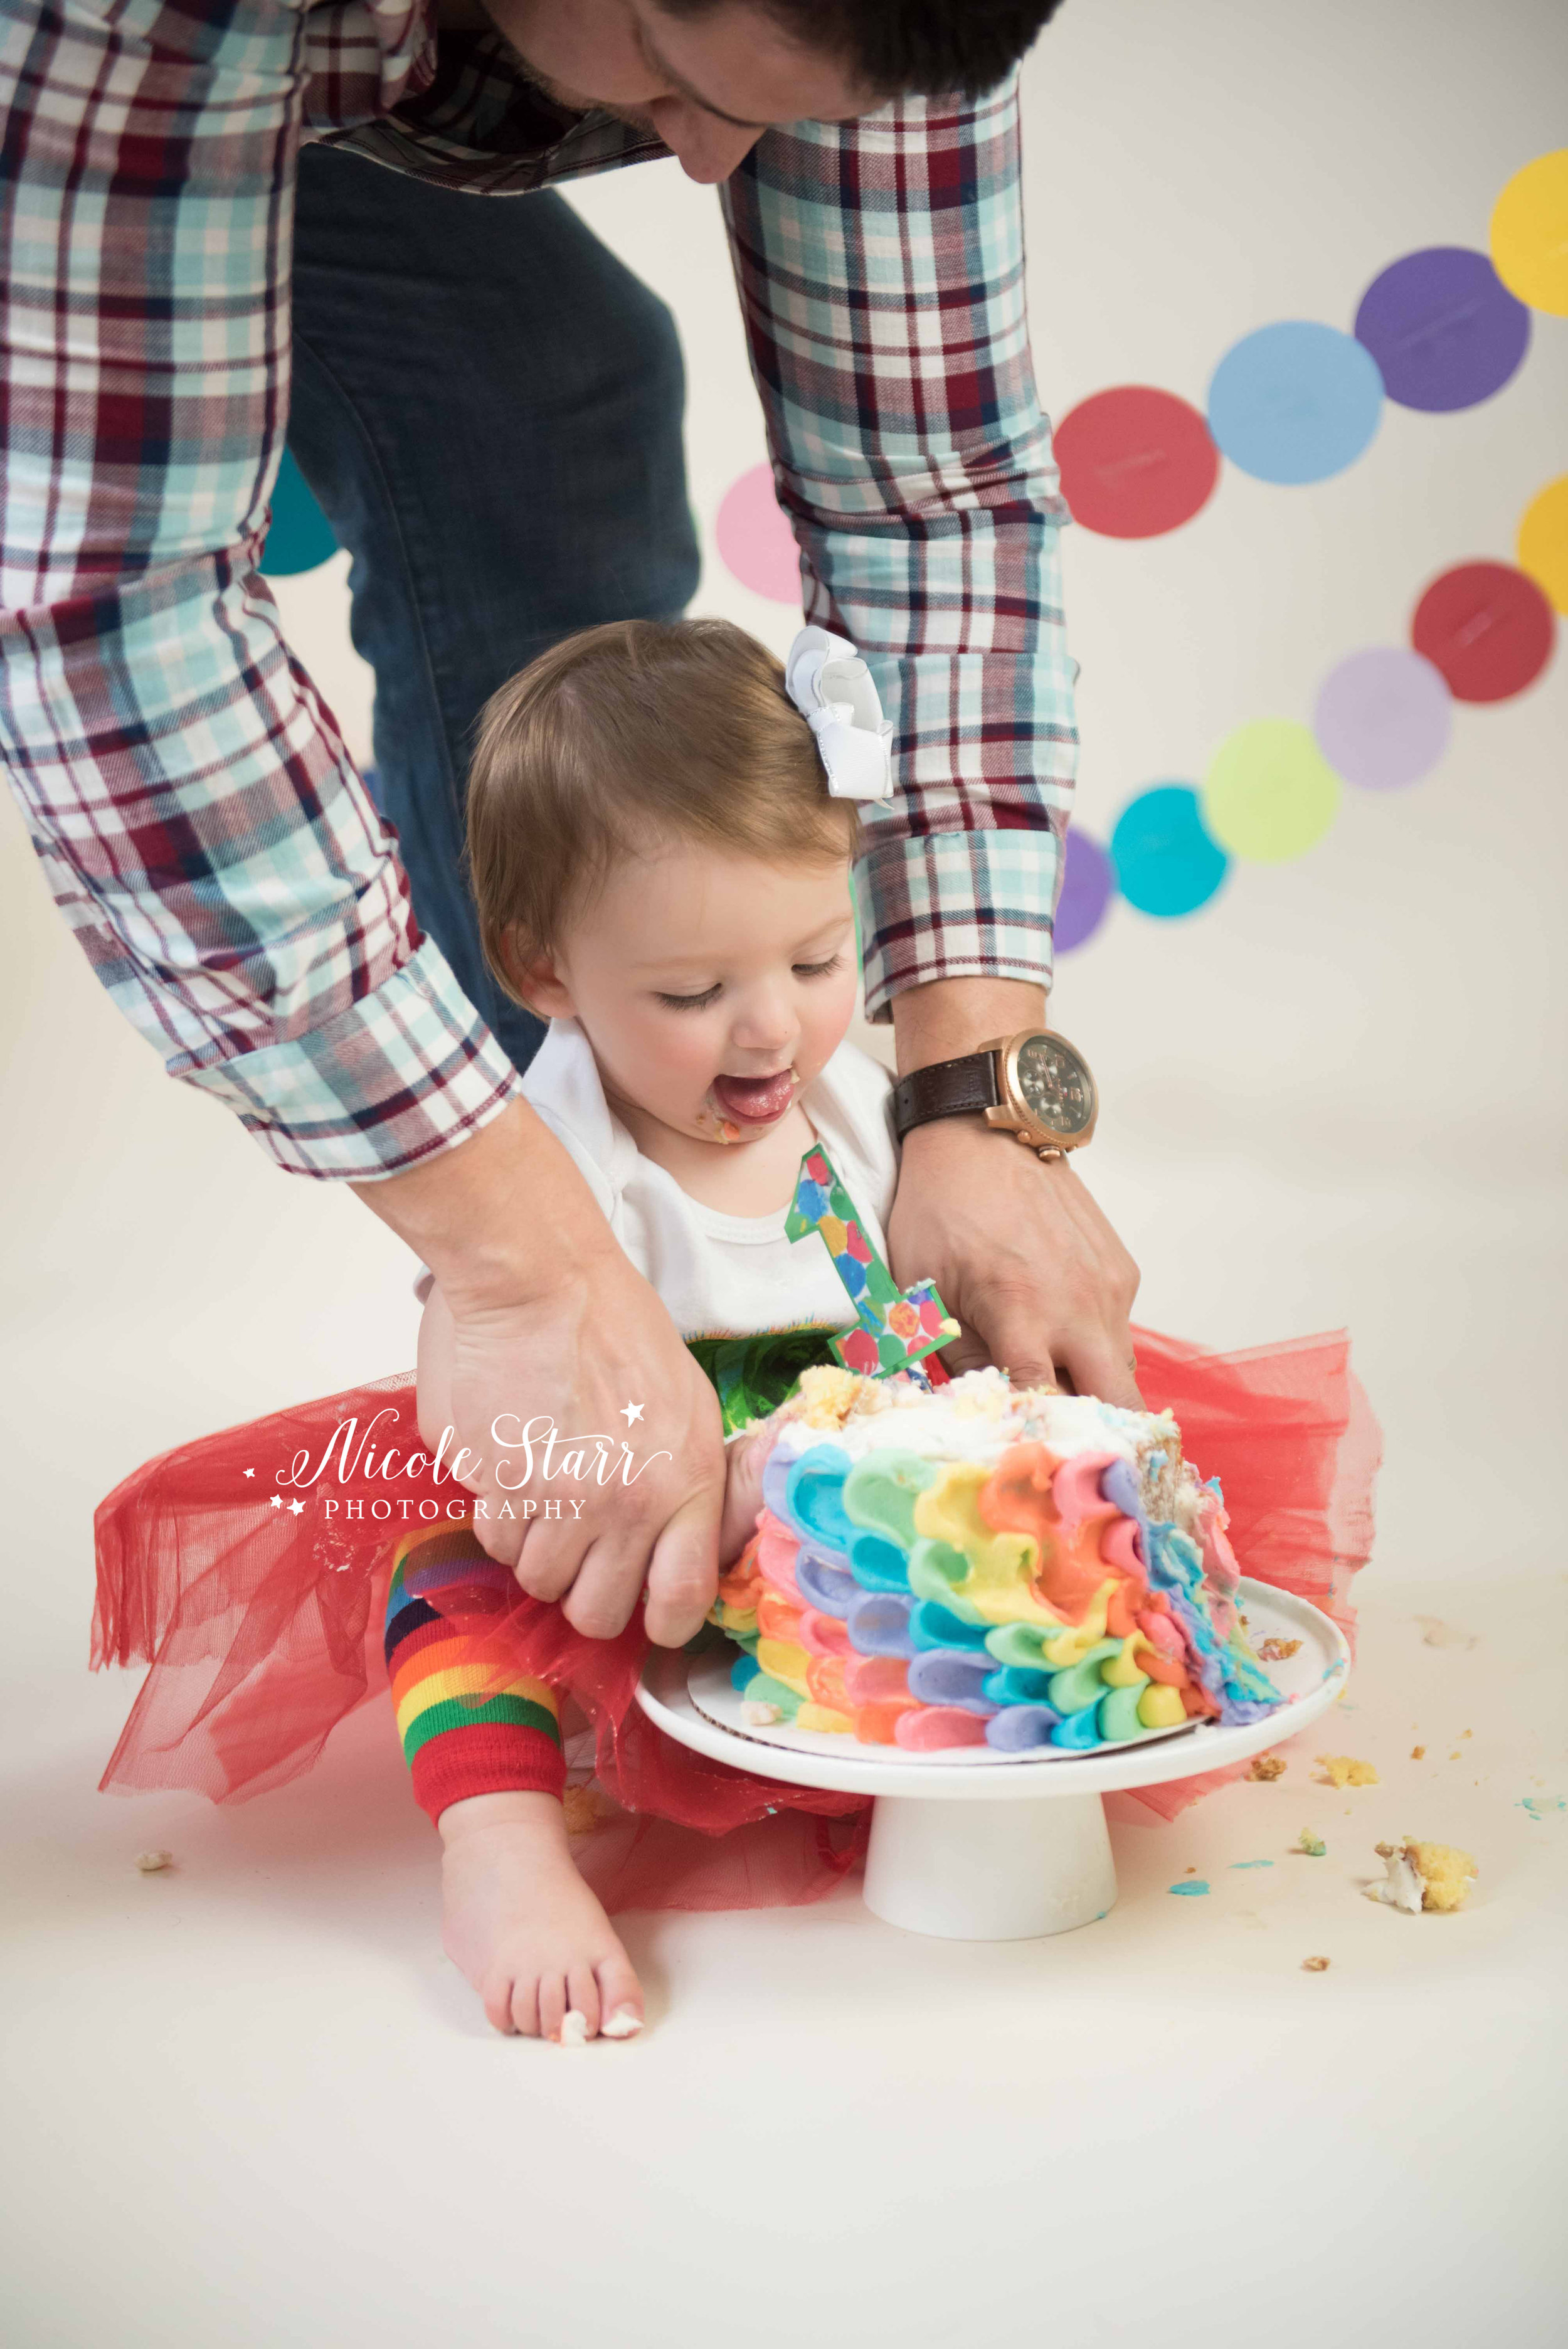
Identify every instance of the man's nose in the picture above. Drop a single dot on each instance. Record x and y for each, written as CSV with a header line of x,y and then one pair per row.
x,y
707,149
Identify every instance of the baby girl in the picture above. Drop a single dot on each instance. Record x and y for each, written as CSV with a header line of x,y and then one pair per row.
x,y
661,831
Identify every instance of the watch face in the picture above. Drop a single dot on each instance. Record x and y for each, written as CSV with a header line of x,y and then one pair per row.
x,y
1057,1090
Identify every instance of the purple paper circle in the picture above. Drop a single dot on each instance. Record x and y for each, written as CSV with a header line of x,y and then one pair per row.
x,y
1382,718
1089,883
1444,329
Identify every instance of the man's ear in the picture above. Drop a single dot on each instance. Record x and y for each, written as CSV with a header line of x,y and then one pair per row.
x,y
538,980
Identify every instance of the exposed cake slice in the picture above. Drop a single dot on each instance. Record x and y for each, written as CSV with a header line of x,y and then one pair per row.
x,y
987,1564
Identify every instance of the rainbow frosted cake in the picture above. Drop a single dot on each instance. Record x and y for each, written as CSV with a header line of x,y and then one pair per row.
x,y
984,1564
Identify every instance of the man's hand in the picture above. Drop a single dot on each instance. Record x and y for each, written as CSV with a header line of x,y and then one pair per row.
x,y
548,1320
1023,1258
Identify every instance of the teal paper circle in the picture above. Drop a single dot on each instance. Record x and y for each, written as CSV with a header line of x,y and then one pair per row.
x,y
301,538
1167,863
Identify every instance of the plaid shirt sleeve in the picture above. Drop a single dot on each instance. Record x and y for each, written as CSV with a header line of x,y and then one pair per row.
x,y
881,270
200,823
190,799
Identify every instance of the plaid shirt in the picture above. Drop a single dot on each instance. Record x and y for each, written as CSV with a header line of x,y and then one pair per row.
x,y
189,798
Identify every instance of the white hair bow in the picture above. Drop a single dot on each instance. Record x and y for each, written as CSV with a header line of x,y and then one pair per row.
x,y
833,689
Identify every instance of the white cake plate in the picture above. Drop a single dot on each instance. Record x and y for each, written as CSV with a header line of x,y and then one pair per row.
x,y
1016,1849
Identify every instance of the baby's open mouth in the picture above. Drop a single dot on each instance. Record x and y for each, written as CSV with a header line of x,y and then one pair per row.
x,y
754,1100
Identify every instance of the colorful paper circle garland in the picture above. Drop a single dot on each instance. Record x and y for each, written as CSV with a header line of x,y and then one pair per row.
x,y
1382,718
1167,862
1294,402
1488,628
1542,546
1441,330
1530,233
755,538
1139,462
300,536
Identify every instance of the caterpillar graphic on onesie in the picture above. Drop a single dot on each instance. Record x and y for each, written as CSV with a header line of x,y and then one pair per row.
x,y
986,1564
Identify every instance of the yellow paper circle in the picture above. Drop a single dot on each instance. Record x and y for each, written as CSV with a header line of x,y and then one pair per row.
x,y
1544,541
1530,233
1270,794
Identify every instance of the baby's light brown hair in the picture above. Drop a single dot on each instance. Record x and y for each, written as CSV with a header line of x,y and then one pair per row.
x,y
623,734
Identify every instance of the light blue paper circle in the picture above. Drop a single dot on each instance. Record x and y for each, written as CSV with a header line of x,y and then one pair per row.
x,y
1294,402
300,536
1166,863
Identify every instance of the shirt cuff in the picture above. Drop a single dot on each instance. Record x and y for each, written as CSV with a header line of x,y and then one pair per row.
x,y
957,904
407,1071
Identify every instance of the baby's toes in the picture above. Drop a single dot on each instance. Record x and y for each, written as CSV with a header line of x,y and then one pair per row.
x,y
620,1993
502,1998
583,1993
552,2004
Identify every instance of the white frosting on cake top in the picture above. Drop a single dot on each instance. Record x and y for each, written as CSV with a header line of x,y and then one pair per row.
x,y
977,1417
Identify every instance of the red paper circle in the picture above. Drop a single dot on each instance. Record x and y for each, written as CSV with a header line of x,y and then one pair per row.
x,y
1134,461
1488,628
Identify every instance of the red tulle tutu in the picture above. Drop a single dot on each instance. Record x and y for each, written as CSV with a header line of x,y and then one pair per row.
x,y
264,1629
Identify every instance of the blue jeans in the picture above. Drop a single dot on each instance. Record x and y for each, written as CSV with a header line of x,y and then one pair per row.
x,y
488,405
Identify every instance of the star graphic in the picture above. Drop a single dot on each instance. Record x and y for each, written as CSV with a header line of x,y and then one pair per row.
x,y
631,1413
297,1508
276,1502
249,1471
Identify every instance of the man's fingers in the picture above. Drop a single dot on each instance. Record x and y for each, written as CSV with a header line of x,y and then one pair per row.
x,y
683,1579
1026,1357
1102,1366
551,1555
499,1540
967,1351
609,1582
744,1463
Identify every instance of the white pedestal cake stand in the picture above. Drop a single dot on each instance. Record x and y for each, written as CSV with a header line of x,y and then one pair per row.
x,y
979,1846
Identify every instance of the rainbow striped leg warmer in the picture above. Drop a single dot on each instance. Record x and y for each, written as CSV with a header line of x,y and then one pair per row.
x,y
458,1743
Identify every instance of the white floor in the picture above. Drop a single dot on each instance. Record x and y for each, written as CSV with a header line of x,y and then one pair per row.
x,y
248,2102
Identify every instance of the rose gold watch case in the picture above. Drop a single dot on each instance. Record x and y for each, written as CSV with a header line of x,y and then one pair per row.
x,y
1013,1113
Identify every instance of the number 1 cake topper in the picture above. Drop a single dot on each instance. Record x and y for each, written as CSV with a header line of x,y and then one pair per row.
x,y
897,1326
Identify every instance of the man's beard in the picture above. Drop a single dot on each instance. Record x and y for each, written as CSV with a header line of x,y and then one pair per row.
x,y
573,100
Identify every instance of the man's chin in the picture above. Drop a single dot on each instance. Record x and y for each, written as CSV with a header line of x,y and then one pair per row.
x,y
577,101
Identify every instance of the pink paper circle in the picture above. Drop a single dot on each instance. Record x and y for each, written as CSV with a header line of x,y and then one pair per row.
x,y
755,540
1382,718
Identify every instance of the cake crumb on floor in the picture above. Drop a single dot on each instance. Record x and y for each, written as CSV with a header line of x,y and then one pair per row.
x,y
153,1863
1345,1769
1266,1766
1311,1843
1439,1634
1314,1965
1417,1753
1423,1876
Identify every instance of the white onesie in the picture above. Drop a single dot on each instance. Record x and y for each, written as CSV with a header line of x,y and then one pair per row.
x,y
723,1275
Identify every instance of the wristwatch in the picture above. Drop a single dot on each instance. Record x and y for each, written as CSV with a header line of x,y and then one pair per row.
x,y
1035,1084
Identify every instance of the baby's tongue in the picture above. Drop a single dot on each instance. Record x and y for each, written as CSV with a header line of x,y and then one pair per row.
x,y
756,1100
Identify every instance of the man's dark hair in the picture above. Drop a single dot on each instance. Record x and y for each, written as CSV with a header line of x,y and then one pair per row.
x,y
909,48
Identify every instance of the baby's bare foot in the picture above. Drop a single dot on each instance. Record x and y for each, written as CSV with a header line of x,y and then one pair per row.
x,y
520,1922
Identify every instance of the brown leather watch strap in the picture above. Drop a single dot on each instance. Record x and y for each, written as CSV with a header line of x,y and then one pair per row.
x,y
946,1089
